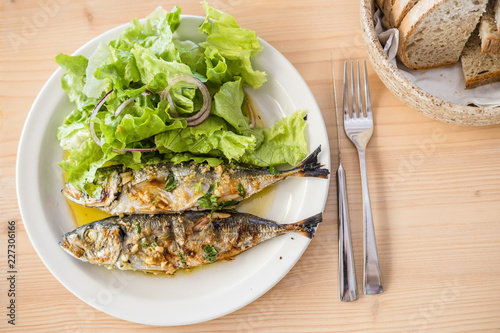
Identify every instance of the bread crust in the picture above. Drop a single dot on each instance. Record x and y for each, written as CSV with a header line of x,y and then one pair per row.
x,y
477,66
497,14
482,80
399,10
490,38
386,7
490,45
410,22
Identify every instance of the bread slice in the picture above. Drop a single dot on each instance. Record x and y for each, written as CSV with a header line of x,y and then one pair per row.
x,y
488,31
496,9
434,32
479,68
386,9
380,3
398,11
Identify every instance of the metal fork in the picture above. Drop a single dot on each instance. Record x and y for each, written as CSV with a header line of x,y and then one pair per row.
x,y
358,126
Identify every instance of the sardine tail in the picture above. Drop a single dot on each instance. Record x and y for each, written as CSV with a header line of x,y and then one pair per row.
x,y
308,226
310,167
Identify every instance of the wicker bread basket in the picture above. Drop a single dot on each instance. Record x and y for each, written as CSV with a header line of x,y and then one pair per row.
x,y
412,95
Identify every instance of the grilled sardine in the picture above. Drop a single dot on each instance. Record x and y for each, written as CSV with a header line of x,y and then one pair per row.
x,y
167,242
168,188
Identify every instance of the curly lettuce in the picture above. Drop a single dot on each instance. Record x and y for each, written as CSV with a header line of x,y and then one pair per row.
x,y
139,65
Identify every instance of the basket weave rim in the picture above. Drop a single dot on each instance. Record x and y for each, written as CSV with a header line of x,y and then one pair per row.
x,y
390,72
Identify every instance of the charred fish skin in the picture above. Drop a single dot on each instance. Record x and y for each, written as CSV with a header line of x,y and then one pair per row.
x,y
167,242
168,188
98,243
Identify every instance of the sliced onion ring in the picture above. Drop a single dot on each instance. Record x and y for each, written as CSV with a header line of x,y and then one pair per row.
x,y
252,114
92,116
117,112
142,150
92,130
204,112
123,106
127,102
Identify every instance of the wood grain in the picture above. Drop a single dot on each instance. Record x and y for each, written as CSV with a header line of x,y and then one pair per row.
x,y
435,187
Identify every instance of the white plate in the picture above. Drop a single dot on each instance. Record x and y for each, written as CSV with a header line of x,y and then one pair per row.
x,y
188,297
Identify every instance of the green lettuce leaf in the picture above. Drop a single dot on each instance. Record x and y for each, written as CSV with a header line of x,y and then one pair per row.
x,y
74,79
209,138
72,135
154,33
186,157
121,69
139,65
149,65
284,142
227,105
192,55
137,122
81,166
95,87
229,48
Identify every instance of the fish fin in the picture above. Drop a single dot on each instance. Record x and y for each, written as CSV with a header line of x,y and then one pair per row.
x,y
202,223
310,167
72,193
308,226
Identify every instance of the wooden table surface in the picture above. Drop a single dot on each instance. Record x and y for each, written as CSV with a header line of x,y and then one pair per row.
x,y
435,187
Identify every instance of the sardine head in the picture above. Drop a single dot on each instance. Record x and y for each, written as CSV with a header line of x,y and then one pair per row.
x,y
97,243
109,180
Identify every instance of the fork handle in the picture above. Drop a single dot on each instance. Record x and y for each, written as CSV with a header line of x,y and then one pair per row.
x,y
348,289
372,279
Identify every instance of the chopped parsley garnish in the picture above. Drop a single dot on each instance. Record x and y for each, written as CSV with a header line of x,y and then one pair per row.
x,y
273,171
153,245
138,227
197,188
227,203
171,183
241,191
144,244
211,252
209,200
183,259
154,202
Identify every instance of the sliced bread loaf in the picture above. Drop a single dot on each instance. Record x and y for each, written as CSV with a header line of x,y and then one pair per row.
x,y
488,31
434,32
479,68
496,9
397,12
386,9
